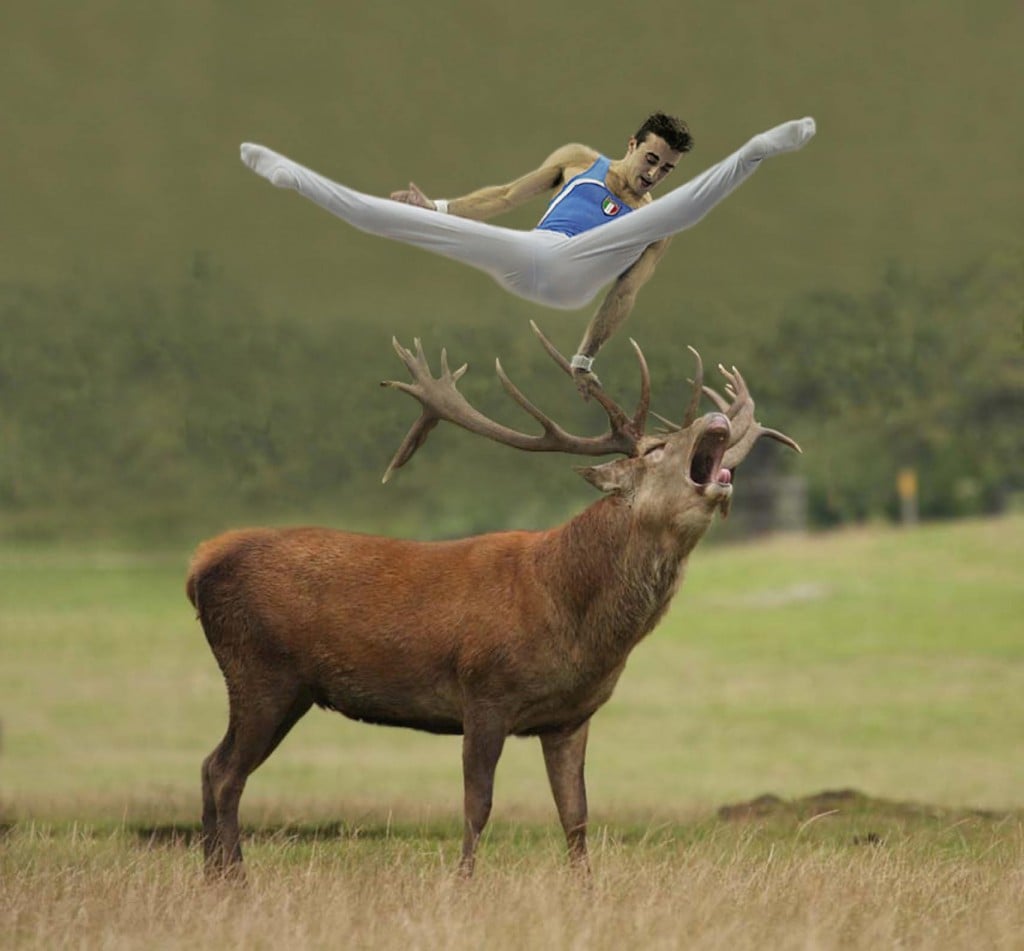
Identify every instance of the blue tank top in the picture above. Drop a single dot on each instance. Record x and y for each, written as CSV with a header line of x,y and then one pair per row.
x,y
583,203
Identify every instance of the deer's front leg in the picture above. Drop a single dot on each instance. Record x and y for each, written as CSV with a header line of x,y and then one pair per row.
x,y
482,743
564,756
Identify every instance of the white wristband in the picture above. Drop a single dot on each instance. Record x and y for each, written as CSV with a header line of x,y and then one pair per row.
x,y
441,205
580,362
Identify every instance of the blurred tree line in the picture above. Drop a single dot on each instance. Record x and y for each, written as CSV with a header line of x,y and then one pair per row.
x,y
921,375
146,413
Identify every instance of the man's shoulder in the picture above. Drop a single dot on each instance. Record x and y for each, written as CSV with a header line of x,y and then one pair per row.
x,y
575,155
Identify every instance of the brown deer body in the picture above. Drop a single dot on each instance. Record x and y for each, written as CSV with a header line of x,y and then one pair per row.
x,y
510,633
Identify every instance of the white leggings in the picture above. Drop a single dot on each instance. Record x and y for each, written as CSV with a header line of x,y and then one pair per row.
x,y
542,266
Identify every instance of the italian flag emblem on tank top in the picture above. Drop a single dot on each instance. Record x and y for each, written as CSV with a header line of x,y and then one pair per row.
x,y
610,207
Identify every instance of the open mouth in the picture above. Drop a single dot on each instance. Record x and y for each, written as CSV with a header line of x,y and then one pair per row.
x,y
706,463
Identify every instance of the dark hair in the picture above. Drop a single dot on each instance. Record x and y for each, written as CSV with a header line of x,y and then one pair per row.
x,y
674,131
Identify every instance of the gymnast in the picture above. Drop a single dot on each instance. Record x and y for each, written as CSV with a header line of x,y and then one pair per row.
x,y
601,225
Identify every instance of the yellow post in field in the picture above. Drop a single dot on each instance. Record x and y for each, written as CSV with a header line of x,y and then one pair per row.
x,y
906,486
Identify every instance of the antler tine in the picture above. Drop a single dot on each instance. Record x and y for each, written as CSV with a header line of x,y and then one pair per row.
x,y
552,350
667,426
737,386
415,438
620,422
404,355
717,399
643,406
742,445
698,386
549,425
417,365
781,437
446,373
735,389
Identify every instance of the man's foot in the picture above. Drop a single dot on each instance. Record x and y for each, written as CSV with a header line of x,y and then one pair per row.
x,y
275,168
787,137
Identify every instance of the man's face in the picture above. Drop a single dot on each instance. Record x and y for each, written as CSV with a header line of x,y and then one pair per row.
x,y
648,162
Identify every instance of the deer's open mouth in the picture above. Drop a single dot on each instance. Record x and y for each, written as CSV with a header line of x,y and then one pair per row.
x,y
706,463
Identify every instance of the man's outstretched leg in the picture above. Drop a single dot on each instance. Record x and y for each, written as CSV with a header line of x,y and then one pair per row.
x,y
787,137
507,255
598,255
275,168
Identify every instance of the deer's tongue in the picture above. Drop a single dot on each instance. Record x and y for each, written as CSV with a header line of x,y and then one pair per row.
x,y
724,477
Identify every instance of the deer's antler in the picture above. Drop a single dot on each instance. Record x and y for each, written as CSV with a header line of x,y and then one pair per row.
x,y
745,429
441,399
691,410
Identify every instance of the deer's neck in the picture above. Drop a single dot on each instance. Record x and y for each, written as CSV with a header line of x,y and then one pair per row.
x,y
615,575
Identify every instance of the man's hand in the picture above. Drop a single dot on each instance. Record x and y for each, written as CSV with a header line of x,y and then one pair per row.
x,y
413,196
586,381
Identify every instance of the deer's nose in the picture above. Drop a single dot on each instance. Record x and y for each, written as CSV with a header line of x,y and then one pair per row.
x,y
718,423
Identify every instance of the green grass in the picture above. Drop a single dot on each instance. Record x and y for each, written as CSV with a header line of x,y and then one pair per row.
x,y
881,659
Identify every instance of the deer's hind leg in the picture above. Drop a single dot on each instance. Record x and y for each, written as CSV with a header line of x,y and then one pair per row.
x,y
257,723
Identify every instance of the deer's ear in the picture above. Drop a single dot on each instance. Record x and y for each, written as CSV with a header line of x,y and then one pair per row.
x,y
615,476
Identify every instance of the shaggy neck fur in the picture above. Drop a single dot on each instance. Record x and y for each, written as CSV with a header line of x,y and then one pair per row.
x,y
615,575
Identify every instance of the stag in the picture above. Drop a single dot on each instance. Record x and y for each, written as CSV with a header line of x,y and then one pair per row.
x,y
510,633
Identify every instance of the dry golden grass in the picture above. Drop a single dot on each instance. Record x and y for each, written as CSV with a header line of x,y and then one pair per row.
x,y
723,886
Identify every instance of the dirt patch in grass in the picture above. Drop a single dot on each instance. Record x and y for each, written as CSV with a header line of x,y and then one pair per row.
x,y
848,802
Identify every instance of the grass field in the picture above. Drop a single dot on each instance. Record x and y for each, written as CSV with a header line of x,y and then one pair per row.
x,y
880,660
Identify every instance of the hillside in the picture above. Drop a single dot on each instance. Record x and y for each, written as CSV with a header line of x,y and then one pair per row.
x,y
185,346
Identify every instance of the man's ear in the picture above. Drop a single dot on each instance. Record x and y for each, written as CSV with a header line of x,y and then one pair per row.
x,y
617,476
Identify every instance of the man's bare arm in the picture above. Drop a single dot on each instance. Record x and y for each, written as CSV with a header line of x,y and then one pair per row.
x,y
496,199
615,308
